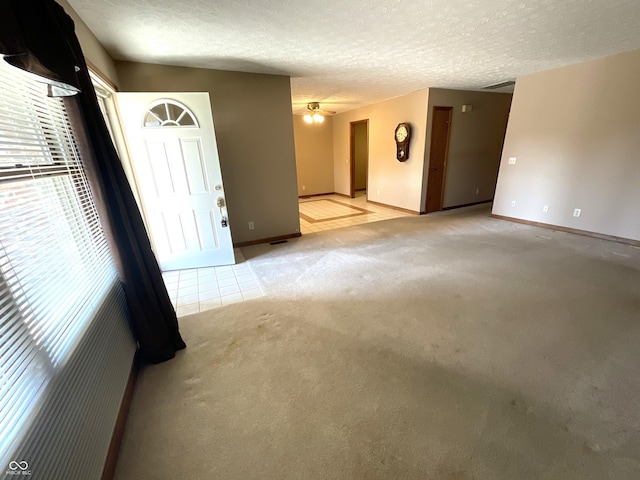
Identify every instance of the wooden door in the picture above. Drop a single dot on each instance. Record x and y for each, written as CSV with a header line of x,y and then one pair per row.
x,y
440,132
174,153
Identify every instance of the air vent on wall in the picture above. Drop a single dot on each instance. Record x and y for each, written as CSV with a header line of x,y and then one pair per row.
x,y
500,85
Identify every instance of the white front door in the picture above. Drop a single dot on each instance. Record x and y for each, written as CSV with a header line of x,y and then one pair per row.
x,y
175,158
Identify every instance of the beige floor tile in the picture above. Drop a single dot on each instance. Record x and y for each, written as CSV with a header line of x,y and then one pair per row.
x,y
187,299
230,290
248,285
208,295
202,289
325,210
210,304
185,291
227,281
230,299
209,286
189,282
225,274
252,293
188,309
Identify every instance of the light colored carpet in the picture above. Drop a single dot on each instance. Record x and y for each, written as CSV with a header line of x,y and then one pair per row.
x,y
448,346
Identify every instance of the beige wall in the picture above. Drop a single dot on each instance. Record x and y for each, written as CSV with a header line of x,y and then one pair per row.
x,y
361,153
314,155
254,131
475,143
575,134
390,182
94,52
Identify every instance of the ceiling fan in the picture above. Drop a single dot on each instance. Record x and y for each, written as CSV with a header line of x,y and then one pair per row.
x,y
315,113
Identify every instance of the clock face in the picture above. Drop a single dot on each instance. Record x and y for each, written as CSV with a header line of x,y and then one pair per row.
x,y
401,133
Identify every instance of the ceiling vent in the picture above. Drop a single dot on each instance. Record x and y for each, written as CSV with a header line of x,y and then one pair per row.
x,y
509,83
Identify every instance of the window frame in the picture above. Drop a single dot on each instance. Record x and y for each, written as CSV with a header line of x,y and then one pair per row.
x,y
35,349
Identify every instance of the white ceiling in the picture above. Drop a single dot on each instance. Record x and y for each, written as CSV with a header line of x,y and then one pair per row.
x,y
345,54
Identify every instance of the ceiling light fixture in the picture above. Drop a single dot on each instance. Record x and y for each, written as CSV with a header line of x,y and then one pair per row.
x,y
313,118
315,114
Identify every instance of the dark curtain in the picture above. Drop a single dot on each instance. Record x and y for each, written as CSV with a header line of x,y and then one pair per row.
x,y
38,36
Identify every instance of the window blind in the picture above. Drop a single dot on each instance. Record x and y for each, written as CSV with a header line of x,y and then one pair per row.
x,y
55,265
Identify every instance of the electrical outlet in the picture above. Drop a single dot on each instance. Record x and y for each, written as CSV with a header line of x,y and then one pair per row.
x,y
477,191
513,203
545,209
251,226
512,160
577,212
378,192
304,187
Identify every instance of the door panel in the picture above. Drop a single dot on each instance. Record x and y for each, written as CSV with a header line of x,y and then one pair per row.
x,y
194,166
205,224
174,153
161,169
174,231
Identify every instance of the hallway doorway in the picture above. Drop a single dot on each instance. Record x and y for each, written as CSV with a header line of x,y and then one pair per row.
x,y
440,134
359,156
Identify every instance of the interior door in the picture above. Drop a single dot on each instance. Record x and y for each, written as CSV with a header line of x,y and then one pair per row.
x,y
174,153
440,132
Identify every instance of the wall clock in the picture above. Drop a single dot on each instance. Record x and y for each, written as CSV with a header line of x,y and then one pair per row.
x,y
402,136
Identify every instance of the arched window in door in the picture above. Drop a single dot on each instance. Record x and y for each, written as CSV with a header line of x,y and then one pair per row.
x,y
168,113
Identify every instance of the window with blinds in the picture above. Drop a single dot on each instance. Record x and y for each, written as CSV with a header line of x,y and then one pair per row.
x,y
55,266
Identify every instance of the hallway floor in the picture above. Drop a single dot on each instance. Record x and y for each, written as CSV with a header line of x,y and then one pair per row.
x,y
328,212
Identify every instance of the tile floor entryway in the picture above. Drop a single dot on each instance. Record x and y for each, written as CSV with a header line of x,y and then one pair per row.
x,y
327,212
200,289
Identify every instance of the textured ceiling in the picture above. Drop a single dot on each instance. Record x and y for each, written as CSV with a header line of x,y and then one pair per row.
x,y
346,54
